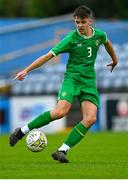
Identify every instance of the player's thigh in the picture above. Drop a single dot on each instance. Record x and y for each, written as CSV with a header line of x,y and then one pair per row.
x,y
61,109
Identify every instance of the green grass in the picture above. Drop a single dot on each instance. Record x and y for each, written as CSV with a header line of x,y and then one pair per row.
x,y
99,155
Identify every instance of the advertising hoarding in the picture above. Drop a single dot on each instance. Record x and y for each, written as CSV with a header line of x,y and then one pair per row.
x,y
23,109
114,112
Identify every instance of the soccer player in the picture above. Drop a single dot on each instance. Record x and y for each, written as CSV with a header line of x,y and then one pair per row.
x,y
82,44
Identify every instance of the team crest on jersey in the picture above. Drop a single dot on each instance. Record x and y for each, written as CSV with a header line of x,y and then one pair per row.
x,y
64,94
98,41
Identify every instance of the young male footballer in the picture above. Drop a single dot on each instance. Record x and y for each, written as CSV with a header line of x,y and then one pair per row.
x,y
82,44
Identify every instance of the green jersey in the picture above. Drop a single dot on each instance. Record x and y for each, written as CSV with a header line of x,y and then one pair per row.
x,y
82,55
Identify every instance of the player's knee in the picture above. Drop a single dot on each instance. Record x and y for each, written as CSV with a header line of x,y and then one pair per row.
x,y
58,113
61,113
89,120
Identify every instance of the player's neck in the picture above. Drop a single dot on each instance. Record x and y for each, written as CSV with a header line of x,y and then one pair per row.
x,y
89,32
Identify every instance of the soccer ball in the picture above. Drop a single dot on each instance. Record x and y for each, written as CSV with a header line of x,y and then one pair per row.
x,y
36,141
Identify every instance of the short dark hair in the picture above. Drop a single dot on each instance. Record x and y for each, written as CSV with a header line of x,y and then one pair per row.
x,y
83,12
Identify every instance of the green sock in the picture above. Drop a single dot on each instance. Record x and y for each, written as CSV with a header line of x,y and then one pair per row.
x,y
41,120
76,135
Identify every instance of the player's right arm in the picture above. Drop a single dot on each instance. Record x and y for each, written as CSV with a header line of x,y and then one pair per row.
x,y
62,47
37,63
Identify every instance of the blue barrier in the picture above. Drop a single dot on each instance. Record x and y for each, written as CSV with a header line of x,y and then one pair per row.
x,y
4,115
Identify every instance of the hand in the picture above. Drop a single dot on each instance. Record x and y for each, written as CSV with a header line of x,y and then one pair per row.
x,y
21,75
112,65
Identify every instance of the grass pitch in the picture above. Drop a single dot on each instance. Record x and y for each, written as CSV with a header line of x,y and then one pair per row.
x,y
98,155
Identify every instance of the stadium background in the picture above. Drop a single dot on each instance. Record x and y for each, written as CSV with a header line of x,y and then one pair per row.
x,y
24,39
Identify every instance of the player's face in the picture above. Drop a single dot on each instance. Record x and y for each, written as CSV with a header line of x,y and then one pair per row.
x,y
83,24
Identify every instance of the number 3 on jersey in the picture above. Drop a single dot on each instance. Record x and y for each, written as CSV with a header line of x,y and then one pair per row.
x,y
89,51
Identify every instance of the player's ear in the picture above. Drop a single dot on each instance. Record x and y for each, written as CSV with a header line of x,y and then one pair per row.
x,y
90,20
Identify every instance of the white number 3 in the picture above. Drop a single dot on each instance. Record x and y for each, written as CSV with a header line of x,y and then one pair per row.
x,y
89,51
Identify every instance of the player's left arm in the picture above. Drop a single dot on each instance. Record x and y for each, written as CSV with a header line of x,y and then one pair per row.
x,y
109,48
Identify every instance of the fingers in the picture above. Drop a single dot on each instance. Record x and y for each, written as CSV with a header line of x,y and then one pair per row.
x,y
112,66
112,69
16,77
21,79
20,76
109,65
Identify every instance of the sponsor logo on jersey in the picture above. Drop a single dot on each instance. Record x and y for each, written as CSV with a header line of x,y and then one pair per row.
x,y
79,44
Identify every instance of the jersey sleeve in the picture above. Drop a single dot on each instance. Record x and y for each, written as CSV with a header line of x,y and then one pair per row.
x,y
63,46
104,38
